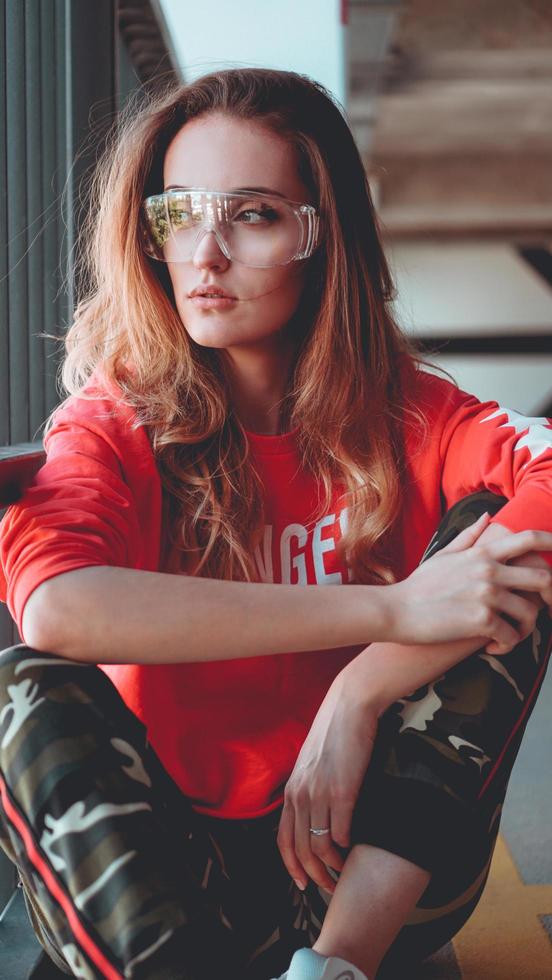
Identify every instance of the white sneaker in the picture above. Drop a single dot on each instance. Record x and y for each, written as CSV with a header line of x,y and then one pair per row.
x,y
335,968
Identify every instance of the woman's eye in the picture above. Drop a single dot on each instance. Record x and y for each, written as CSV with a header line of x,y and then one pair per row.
x,y
255,216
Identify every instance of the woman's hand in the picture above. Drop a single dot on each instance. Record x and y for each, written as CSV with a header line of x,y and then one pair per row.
x,y
531,559
324,785
465,590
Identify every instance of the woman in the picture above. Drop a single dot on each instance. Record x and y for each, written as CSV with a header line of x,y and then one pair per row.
x,y
244,412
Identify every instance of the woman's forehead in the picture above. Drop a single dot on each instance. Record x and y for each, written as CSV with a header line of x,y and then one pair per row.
x,y
225,153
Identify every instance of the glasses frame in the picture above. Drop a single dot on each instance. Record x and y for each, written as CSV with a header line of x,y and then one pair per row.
x,y
307,216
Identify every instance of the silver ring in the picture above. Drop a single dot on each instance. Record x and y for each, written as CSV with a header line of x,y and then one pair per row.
x,y
318,831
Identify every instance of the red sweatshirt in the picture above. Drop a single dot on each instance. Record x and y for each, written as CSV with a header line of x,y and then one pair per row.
x,y
229,731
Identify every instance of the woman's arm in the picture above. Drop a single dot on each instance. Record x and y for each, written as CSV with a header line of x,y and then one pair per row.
x,y
119,615
386,672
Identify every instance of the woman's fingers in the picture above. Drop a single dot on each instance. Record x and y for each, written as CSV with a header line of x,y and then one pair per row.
x,y
473,592
524,578
498,649
314,852
341,821
498,585
468,536
294,843
307,855
520,609
325,846
500,631
534,560
503,636
503,549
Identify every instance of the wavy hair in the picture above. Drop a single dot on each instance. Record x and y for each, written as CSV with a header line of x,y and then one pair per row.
x,y
347,395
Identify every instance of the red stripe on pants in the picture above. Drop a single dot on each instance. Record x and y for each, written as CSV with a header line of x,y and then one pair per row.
x,y
95,954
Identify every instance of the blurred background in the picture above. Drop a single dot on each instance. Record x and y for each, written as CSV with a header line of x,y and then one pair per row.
x,y
450,102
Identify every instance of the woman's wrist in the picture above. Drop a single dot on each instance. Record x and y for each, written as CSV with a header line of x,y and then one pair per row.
x,y
383,673
360,684
394,615
379,612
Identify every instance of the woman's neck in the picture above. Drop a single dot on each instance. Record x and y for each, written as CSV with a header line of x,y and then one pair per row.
x,y
258,381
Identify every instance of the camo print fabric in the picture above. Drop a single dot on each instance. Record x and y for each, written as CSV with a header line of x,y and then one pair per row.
x,y
122,878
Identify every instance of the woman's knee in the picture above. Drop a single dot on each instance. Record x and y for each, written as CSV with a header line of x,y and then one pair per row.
x,y
25,673
21,660
42,694
13,654
20,657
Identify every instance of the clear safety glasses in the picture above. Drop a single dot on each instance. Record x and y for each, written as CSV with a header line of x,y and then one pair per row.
x,y
258,230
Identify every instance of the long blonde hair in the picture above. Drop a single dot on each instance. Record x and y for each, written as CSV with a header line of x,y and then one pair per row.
x,y
348,392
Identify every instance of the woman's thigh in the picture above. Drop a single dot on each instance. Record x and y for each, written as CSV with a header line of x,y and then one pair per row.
x,y
435,787
120,875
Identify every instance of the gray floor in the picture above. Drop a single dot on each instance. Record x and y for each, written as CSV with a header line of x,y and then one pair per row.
x,y
19,947
525,825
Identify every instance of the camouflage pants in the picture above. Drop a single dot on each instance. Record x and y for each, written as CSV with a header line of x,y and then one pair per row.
x,y
122,878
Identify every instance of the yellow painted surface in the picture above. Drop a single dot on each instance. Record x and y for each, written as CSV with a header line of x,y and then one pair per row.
x,y
504,938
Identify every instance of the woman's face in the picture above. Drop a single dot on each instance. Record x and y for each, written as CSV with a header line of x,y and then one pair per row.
x,y
221,153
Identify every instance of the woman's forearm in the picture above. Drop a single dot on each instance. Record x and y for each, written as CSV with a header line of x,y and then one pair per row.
x,y
107,614
385,672
117,615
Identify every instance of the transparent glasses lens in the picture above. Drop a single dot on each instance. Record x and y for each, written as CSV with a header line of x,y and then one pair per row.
x,y
258,230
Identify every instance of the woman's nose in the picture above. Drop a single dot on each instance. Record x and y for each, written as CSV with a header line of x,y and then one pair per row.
x,y
208,252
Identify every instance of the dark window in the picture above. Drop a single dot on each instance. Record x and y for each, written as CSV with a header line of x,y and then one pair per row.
x,y
65,71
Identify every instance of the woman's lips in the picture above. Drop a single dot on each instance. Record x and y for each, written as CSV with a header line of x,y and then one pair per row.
x,y
213,302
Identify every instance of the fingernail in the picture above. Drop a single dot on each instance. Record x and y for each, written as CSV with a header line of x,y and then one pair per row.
x,y
299,884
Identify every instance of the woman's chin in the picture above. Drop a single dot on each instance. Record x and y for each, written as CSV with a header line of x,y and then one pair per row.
x,y
218,333
212,332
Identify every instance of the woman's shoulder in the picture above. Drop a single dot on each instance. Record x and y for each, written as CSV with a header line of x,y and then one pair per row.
x,y
434,393
100,402
99,398
429,384
98,416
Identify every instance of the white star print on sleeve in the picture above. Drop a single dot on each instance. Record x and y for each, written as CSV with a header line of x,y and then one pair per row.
x,y
536,431
485,446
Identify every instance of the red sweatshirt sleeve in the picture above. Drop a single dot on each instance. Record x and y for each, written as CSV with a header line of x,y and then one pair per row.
x,y
79,511
486,446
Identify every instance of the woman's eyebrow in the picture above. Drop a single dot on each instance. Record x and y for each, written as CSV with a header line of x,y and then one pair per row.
x,y
261,190
235,190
